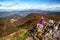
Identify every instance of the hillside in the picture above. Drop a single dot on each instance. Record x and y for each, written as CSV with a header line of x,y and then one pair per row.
x,y
14,16
33,19
53,13
27,23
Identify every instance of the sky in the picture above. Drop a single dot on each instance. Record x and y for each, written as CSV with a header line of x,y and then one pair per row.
x,y
50,5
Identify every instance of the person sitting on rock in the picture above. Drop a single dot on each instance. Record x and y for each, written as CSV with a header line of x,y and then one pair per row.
x,y
41,24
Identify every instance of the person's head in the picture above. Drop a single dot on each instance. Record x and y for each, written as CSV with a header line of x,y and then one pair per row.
x,y
42,17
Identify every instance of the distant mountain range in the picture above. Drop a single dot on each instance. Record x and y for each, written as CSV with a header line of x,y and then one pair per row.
x,y
26,12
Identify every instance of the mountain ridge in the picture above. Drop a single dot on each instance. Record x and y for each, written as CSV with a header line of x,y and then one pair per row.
x,y
27,22
26,12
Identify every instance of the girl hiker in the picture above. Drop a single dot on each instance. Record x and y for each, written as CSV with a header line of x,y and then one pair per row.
x,y
40,25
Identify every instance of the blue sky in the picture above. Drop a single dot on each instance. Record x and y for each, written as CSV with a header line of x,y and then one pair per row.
x,y
53,5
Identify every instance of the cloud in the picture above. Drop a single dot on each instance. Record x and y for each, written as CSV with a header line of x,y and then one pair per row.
x,y
23,6
55,7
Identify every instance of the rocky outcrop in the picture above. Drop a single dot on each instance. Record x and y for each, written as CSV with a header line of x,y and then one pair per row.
x,y
51,31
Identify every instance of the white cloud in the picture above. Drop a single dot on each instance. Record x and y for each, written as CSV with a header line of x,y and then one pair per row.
x,y
48,7
22,6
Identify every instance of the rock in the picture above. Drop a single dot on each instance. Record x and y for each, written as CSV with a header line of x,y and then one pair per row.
x,y
49,31
51,21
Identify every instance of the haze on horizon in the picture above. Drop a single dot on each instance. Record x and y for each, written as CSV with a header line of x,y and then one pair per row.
x,y
50,5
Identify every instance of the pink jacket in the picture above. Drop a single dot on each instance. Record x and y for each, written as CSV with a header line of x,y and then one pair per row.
x,y
42,21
